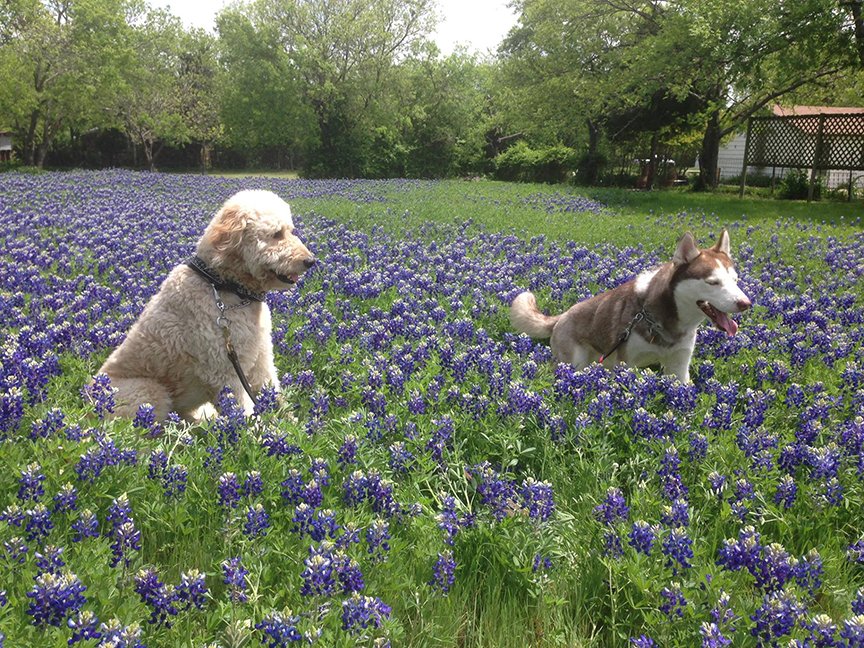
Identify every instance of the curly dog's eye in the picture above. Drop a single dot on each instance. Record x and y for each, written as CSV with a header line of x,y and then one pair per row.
x,y
279,235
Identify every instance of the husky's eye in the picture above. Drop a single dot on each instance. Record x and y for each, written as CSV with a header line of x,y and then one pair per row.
x,y
279,234
712,282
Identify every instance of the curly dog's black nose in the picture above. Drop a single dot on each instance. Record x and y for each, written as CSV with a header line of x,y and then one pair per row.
x,y
311,261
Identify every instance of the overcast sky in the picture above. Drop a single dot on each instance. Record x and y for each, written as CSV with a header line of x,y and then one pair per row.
x,y
478,24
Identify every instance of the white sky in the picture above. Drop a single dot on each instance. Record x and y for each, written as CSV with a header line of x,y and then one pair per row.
x,y
478,24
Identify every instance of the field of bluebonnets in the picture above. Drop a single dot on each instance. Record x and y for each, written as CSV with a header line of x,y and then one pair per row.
x,y
431,479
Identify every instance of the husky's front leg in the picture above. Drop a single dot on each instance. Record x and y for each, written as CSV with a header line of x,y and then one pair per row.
x,y
677,363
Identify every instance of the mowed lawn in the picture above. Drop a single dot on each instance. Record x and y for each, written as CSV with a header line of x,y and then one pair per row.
x,y
431,479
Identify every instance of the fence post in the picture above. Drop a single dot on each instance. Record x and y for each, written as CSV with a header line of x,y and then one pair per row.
x,y
816,155
746,153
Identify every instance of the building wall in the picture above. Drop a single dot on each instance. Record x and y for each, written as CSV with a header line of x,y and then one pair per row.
x,y
5,142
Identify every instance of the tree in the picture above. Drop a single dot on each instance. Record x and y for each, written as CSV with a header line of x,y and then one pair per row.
x,y
56,61
343,53
149,101
199,89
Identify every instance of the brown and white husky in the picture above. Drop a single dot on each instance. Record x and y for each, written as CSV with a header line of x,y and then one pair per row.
x,y
650,319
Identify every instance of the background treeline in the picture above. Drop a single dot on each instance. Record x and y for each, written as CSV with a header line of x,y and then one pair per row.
x,y
578,89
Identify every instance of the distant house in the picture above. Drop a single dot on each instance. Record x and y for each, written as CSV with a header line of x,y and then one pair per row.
x,y
5,145
731,155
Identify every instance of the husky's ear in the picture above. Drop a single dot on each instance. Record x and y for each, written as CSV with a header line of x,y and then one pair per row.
x,y
723,245
686,251
226,230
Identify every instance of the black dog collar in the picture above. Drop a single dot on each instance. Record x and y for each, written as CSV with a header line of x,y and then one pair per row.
x,y
197,264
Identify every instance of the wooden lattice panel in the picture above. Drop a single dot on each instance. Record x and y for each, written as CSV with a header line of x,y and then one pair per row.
x,y
793,142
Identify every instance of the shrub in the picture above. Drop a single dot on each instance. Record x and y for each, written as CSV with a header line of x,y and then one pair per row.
x,y
796,183
523,164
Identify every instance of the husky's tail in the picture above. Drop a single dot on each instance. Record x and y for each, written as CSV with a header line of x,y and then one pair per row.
x,y
527,318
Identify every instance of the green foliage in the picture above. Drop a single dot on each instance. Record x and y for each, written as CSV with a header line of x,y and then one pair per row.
x,y
795,185
524,164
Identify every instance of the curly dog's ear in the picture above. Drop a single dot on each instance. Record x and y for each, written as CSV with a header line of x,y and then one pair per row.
x,y
226,231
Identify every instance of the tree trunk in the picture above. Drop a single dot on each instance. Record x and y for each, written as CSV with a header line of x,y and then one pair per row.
x,y
709,154
652,163
592,164
857,9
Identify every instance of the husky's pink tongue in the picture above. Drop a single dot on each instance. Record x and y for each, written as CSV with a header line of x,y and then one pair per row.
x,y
726,323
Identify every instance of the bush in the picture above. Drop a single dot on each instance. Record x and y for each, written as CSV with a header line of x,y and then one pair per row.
x,y
756,179
796,183
19,167
521,163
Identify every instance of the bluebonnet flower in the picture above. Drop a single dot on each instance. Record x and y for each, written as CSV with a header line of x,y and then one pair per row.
x,y
612,546
174,482
66,499
541,563
717,484
253,484
400,458
192,589
235,578
722,613
114,634
348,573
302,518
359,612
855,552
809,571
101,394
229,491
642,641
320,471
257,521
39,523
823,632
776,617
642,537
318,577
84,626
853,632
377,536
48,426
786,492
31,484
157,596
444,572
674,602
670,465
15,551
86,526
858,603
677,549
347,454
267,400
145,420
448,520
126,538
676,515
279,630
613,508
13,515
54,598
279,445
293,487
350,535
50,559
312,494
712,637
537,498
832,494
698,447
323,524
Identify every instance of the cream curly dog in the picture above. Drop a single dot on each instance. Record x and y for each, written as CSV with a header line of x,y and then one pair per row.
x,y
175,356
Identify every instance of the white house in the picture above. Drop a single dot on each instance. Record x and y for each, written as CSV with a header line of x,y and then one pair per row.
x,y
5,145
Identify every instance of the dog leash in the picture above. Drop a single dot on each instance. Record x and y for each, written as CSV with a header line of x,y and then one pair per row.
x,y
225,323
626,334
654,329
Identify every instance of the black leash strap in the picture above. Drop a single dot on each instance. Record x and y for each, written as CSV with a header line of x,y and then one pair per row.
x,y
232,356
626,334
225,323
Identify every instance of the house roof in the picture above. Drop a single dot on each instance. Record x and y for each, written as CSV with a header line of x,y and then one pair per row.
x,y
790,111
